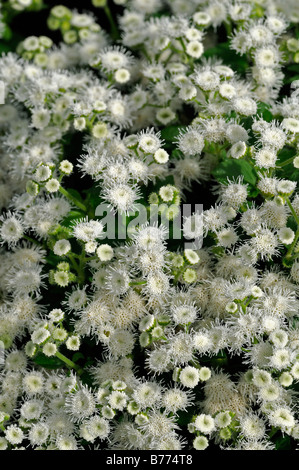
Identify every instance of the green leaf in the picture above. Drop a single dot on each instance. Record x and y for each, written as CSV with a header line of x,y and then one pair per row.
x,y
293,68
7,33
4,47
253,192
169,133
283,443
291,79
78,355
263,111
168,180
72,215
48,362
75,193
287,171
286,153
93,198
229,169
185,417
228,57
52,259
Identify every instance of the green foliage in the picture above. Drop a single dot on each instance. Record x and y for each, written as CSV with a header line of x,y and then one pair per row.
x,y
291,73
72,217
263,110
283,443
170,133
48,362
78,355
230,169
229,57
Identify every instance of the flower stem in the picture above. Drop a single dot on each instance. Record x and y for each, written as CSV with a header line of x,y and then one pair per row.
x,y
293,211
140,283
71,258
183,44
114,29
32,240
69,363
143,49
286,162
73,199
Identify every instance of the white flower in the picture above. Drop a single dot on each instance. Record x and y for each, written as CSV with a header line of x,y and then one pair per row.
x,y
191,256
122,75
265,158
245,106
205,374
194,49
11,230
98,427
122,196
295,370
296,162
66,167
62,247
118,400
176,399
52,185
165,115
149,142
50,349
201,18
33,383
285,379
267,56
252,427
193,226
88,231
73,343
227,237
223,419
14,434
40,335
66,443
286,186
80,404
184,314
42,173
161,156
105,252
41,118
38,434
282,418
227,91
205,423
189,377
238,150
207,80
234,194
100,130
200,443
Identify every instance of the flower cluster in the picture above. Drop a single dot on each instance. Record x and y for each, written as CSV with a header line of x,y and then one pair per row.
x,y
168,330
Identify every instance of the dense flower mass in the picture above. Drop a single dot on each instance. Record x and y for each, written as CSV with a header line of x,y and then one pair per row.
x,y
149,227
